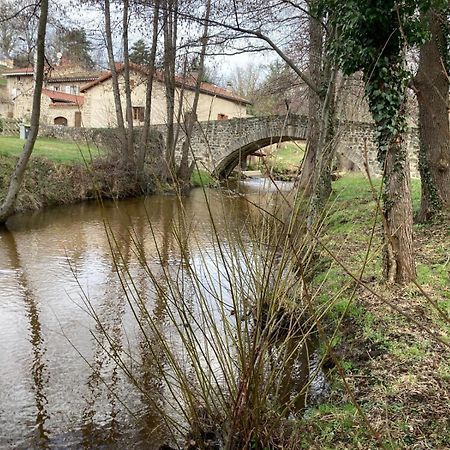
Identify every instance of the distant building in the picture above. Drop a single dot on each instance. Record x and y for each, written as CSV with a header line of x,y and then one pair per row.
x,y
6,62
74,97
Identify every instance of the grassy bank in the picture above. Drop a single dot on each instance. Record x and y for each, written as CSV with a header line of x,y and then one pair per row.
x,y
62,177
202,178
284,161
54,150
61,173
398,373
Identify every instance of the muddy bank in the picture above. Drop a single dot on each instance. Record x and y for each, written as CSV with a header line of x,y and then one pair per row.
x,y
48,183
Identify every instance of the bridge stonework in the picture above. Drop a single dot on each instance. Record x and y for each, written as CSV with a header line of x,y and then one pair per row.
x,y
220,145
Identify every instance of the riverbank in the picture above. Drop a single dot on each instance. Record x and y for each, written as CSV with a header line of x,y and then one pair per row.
x,y
67,177
49,183
395,369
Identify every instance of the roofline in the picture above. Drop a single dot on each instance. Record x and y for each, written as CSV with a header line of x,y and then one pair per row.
x,y
107,75
12,74
75,78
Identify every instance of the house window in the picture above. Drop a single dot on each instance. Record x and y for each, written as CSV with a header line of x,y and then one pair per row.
x,y
222,117
74,89
138,113
56,88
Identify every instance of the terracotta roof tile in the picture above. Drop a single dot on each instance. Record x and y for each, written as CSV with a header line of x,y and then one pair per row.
x,y
62,97
186,82
54,75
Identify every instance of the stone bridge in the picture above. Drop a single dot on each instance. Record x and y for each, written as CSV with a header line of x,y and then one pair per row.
x,y
220,145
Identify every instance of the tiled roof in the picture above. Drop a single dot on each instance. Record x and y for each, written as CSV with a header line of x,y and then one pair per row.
x,y
62,97
186,82
19,71
53,75
73,77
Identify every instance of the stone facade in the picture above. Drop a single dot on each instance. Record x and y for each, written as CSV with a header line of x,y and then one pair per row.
x,y
219,145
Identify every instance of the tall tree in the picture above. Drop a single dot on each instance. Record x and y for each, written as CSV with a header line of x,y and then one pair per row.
x,y
74,44
140,53
7,207
372,38
170,31
258,20
149,89
185,169
126,76
432,85
115,80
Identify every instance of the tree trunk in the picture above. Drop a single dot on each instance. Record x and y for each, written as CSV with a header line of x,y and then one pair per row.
x,y
315,105
399,264
432,86
326,145
389,94
115,79
149,90
7,208
170,36
126,76
185,169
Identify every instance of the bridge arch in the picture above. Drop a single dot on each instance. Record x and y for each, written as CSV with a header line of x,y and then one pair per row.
x,y
251,142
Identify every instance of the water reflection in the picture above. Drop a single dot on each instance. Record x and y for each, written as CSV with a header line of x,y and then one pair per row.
x,y
63,293
38,365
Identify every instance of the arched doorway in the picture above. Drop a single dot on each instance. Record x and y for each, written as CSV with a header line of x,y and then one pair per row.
x,y
60,121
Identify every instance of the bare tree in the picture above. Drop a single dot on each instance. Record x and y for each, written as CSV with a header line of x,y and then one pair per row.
x,y
7,208
432,85
115,78
185,169
126,76
149,90
170,28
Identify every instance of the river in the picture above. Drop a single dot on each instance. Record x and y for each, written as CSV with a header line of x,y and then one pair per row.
x,y
59,386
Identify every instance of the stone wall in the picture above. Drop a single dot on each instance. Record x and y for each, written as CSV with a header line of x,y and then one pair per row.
x,y
219,145
356,138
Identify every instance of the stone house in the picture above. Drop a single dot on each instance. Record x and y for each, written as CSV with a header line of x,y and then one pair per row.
x,y
78,98
215,103
61,102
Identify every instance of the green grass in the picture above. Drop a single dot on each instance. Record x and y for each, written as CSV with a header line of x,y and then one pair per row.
x,y
52,149
202,178
381,350
287,158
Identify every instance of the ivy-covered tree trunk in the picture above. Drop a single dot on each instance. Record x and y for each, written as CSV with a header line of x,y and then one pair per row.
x,y
399,264
432,84
386,92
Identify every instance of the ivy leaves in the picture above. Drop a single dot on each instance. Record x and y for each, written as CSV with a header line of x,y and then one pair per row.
x,y
372,36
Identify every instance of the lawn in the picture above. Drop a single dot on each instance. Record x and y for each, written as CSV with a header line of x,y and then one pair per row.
x,y
52,149
287,158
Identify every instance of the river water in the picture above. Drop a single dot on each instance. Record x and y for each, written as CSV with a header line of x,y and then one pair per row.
x,y
59,386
